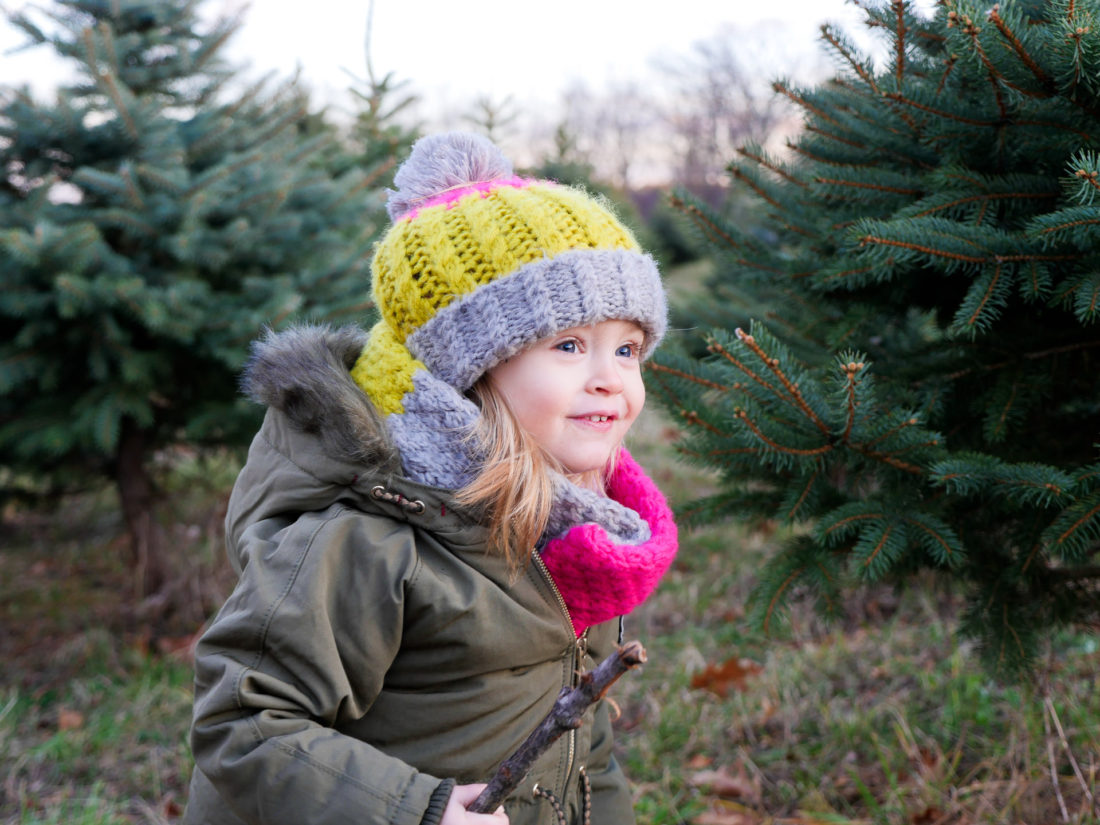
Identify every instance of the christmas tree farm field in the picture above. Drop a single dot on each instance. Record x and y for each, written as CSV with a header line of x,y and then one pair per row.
x,y
881,717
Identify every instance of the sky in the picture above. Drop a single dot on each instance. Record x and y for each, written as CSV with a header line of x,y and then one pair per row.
x,y
452,51
455,49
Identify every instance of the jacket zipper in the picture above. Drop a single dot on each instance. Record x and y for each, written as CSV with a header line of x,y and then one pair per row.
x,y
576,647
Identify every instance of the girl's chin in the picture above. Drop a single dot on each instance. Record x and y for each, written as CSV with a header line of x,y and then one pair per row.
x,y
583,470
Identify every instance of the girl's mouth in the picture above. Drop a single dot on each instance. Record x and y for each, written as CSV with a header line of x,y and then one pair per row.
x,y
597,417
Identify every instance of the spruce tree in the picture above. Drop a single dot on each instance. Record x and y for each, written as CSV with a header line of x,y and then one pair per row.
x,y
903,356
153,219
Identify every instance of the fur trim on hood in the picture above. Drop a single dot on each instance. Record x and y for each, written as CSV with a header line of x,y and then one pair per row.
x,y
303,372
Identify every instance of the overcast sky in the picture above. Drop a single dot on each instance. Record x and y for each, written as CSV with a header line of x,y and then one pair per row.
x,y
502,47
455,50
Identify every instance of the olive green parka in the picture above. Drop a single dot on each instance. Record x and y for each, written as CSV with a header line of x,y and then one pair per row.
x,y
373,652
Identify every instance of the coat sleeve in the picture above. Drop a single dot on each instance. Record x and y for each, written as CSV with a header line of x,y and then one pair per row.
x,y
611,799
297,653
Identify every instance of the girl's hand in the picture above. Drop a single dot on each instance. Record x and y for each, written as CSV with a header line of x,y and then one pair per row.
x,y
456,813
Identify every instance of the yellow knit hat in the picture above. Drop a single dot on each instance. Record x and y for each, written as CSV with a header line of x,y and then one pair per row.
x,y
477,265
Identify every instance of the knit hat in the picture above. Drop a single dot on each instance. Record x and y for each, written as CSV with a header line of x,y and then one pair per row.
x,y
477,265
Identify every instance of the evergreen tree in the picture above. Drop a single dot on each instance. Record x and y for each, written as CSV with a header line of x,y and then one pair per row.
x,y
904,350
152,222
378,137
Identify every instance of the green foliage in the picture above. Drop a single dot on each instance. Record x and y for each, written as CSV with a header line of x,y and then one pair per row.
x,y
152,222
937,218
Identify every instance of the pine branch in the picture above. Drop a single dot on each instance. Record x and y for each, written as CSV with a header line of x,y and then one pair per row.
x,y
779,594
656,367
692,417
927,250
737,174
1031,356
1033,554
800,149
740,413
711,230
718,349
864,185
988,198
861,71
1089,176
1044,79
563,717
988,294
759,159
962,257
952,59
924,107
800,101
803,495
855,144
773,365
847,273
851,370
887,458
1071,531
1071,225
899,42
909,422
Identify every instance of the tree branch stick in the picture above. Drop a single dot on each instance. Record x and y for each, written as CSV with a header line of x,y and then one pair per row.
x,y
563,717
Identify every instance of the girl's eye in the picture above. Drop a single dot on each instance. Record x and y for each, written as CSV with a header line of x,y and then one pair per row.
x,y
567,346
627,350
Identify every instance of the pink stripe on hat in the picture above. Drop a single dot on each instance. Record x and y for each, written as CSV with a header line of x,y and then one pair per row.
x,y
451,196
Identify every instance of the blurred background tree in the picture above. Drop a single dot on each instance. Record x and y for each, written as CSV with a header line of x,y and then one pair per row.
x,y
903,350
153,219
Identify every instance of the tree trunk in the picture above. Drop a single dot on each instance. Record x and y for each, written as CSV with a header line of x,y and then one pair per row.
x,y
136,494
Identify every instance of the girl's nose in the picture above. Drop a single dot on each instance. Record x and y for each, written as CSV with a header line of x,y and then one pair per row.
x,y
605,377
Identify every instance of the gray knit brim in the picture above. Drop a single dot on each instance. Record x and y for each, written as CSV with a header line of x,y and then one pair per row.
x,y
582,286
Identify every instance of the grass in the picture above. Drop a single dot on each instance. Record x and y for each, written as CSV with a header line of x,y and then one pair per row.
x,y
882,717
106,747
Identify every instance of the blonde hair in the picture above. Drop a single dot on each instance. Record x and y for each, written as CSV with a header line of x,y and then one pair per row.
x,y
515,484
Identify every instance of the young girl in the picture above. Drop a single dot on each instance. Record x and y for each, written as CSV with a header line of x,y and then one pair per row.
x,y
437,528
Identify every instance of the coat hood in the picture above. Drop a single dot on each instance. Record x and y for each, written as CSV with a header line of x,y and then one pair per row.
x,y
322,442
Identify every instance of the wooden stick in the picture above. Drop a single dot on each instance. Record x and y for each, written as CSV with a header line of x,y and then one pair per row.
x,y
564,716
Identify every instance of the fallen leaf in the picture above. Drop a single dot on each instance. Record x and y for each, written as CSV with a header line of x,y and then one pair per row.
x,y
723,812
699,761
172,809
927,817
69,719
724,782
732,673
179,647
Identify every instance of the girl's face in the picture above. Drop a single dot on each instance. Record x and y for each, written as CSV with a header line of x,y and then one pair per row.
x,y
577,392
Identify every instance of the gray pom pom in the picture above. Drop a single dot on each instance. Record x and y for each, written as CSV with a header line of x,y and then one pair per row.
x,y
441,162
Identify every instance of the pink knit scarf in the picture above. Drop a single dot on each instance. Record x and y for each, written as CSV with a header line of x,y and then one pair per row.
x,y
600,579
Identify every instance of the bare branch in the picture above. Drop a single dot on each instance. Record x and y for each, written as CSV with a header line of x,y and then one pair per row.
x,y
563,717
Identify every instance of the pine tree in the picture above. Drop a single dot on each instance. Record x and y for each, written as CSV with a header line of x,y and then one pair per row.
x,y
904,351
153,219
383,130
